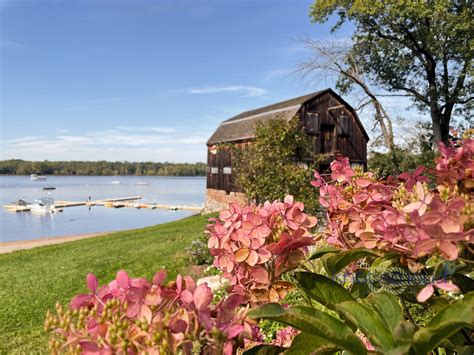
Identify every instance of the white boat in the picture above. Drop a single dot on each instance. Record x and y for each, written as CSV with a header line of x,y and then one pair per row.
x,y
115,181
44,205
36,177
142,183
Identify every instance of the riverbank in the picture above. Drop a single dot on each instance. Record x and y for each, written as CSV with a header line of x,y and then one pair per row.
x,y
33,280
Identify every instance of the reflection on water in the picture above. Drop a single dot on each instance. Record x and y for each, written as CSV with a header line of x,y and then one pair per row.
x,y
83,219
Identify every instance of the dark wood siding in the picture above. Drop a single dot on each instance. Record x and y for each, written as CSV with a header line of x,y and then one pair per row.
x,y
219,169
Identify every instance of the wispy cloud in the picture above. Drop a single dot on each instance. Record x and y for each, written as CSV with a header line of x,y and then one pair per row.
x,y
121,143
246,90
278,73
147,129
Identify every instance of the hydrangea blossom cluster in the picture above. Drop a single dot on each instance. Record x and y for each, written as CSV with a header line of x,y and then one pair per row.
x,y
254,245
133,316
403,215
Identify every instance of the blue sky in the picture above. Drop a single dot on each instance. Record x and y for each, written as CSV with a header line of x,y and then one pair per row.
x,y
143,80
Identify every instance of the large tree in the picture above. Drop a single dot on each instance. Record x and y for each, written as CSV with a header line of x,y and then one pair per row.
x,y
424,48
336,59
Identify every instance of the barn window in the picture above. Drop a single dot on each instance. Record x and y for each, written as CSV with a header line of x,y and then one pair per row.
x,y
343,127
227,170
312,122
214,170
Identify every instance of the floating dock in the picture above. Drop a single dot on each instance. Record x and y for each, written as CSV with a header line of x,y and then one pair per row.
x,y
120,202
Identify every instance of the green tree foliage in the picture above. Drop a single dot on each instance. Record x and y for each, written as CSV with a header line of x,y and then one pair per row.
x,y
413,152
276,164
423,48
22,167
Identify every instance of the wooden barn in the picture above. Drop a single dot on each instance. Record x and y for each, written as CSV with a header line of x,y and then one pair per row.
x,y
331,123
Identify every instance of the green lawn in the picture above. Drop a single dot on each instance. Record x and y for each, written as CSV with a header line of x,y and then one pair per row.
x,y
31,281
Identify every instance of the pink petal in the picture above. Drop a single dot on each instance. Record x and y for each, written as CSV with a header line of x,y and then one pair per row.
x,y
447,286
122,279
202,297
449,250
178,326
425,293
234,330
81,301
92,282
187,296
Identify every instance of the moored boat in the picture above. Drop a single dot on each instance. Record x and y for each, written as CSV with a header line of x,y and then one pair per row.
x,y
36,177
49,187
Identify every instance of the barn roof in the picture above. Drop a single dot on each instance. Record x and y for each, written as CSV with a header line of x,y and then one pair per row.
x,y
242,126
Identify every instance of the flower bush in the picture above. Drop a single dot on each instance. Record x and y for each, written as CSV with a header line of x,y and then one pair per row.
x,y
255,245
414,224
135,316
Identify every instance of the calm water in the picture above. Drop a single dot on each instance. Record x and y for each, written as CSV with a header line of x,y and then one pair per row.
x,y
81,219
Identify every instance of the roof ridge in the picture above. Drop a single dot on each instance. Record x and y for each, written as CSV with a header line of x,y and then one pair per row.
x,y
277,105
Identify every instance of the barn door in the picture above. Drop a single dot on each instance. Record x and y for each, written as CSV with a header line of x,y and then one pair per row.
x,y
327,138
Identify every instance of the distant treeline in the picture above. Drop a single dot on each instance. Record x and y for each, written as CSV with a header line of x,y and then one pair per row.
x,y
22,167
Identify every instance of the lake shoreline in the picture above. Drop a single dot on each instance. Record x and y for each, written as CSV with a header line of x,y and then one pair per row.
x,y
11,246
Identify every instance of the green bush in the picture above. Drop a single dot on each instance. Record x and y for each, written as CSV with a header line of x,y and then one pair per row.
x,y
199,252
279,162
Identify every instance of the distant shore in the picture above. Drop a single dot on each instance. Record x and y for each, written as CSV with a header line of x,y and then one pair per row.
x,y
8,247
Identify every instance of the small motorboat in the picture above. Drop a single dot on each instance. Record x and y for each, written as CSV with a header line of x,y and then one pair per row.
x,y
142,183
49,188
44,205
115,181
36,177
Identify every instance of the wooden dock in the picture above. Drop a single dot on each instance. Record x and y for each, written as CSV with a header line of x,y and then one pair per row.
x,y
120,202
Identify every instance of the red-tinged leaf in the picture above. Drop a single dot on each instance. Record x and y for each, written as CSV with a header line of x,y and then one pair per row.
x,y
241,254
80,301
122,279
92,282
425,293
202,297
419,170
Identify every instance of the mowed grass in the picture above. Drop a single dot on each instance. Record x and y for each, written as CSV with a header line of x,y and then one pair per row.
x,y
32,281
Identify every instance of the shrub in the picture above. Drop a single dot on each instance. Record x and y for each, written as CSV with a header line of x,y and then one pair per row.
x,y
199,252
278,163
